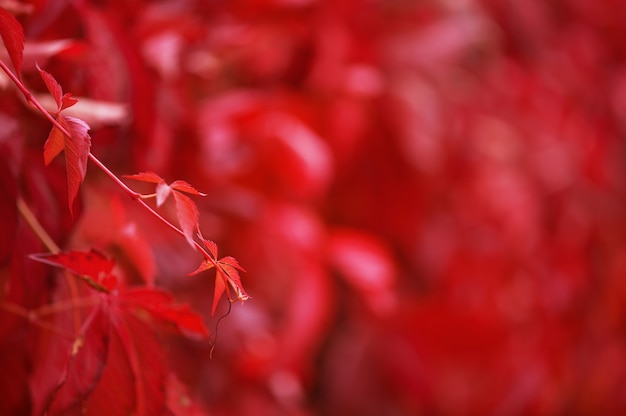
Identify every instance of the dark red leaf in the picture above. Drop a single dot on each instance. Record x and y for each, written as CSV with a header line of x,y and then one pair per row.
x,y
13,37
86,361
93,266
161,305
133,381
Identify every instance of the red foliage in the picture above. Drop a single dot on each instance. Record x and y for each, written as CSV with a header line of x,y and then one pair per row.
x,y
428,198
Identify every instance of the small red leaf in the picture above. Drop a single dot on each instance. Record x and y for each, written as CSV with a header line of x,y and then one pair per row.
x,y
53,145
220,285
52,85
185,187
150,177
230,274
13,37
211,246
205,265
76,154
231,261
67,101
161,305
93,266
188,215
227,274
186,209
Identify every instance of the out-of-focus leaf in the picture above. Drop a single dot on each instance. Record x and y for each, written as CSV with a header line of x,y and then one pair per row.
x,y
87,358
133,381
13,37
93,266
162,306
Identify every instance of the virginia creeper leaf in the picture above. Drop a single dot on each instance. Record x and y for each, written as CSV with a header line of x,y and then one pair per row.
x,y
150,177
67,101
53,86
94,267
63,101
186,210
161,305
76,148
86,361
227,275
188,215
185,187
133,381
13,37
53,146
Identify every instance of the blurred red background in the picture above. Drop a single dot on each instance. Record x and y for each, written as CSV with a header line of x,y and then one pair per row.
x,y
428,196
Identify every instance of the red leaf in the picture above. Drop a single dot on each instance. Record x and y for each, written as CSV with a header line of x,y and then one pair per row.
x,y
161,305
76,154
230,274
150,177
185,187
53,145
67,101
92,266
188,215
13,37
220,286
211,246
186,209
52,85
63,101
86,361
133,381
205,265
227,274
76,146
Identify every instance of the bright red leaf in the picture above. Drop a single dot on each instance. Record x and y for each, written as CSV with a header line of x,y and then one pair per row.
x,y
186,209
13,37
227,275
94,267
63,101
76,146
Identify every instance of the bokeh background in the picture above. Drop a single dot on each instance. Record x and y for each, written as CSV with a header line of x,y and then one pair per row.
x,y
428,195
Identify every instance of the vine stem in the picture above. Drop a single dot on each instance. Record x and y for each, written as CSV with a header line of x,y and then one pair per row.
x,y
30,98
